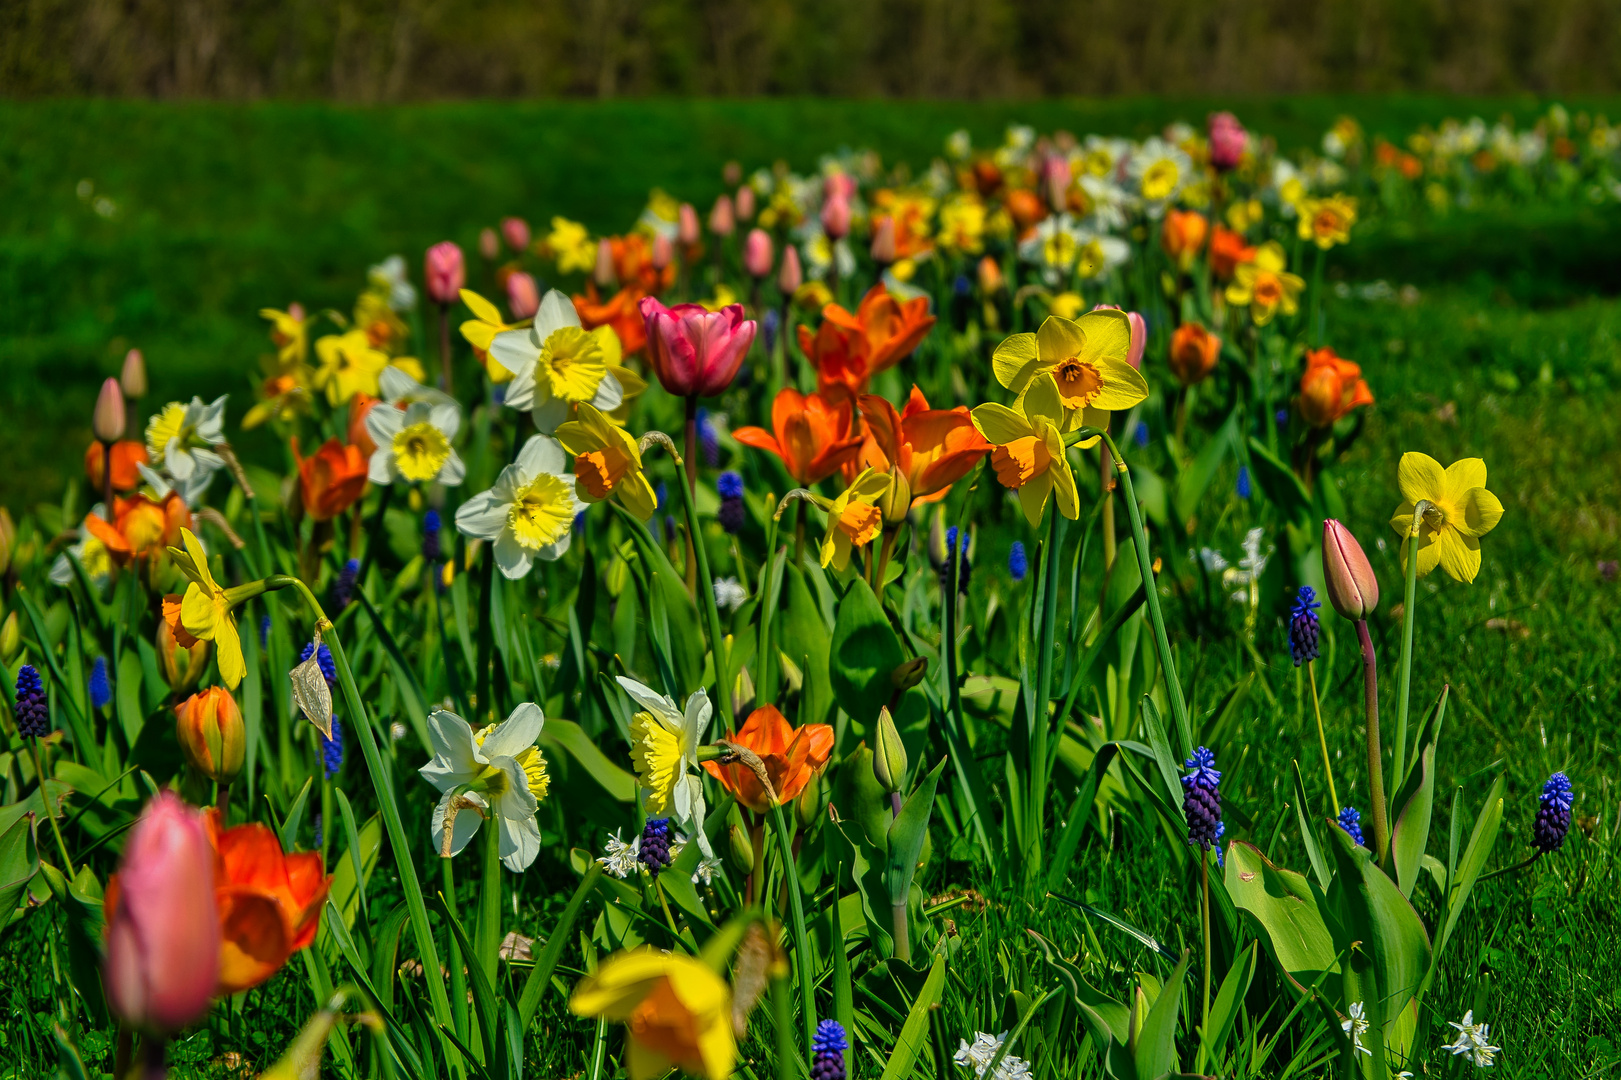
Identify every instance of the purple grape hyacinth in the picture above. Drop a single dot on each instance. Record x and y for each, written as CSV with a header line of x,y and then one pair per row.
x,y
1201,799
1553,814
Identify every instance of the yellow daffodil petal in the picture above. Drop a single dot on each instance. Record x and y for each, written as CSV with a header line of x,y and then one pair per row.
x,y
1069,502
479,334
613,351
1460,477
1015,361
1042,401
1480,511
1420,477
631,383
1033,496
1123,385
1000,424
1108,334
199,559
1059,339
480,307
1402,521
1458,554
228,650
637,496
197,612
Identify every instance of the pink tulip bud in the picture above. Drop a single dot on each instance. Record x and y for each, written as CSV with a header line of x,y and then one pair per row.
x,y
836,217
163,929
694,351
1227,141
1055,178
686,229
1352,588
603,274
883,242
489,244
109,415
789,275
133,378
444,272
722,221
662,252
523,298
839,186
295,311
1139,334
757,253
515,231
745,203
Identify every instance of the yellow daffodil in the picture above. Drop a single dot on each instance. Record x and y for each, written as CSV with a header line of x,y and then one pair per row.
x,y
675,1009
204,613
607,461
349,365
853,519
377,319
1066,305
289,332
571,246
1265,286
1459,513
1087,362
962,224
481,329
1327,222
1029,455
724,297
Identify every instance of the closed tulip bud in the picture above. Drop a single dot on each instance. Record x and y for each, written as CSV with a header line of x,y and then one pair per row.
x,y
896,501
444,271
1139,334
603,273
722,221
1055,177
163,928
789,275
109,415
990,276
523,298
662,251
740,849
757,253
489,244
836,217
686,229
180,667
745,203
840,185
515,231
1228,141
209,727
808,807
132,380
909,674
889,754
11,638
883,242
1351,586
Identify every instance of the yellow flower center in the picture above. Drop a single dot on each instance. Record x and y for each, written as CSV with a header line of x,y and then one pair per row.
x,y
1268,289
1159,179
95,558
1079,383
572,363
601,470
862,522
420,451
166,425
656,753
1098,162
541,512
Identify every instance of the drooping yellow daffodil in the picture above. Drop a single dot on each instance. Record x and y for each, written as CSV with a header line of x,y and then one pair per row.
x,y
289,332
204,613
350,365
1459,513
481,329
607,461
1327,221
1265,286
675,1009
1029,450
1087,361
853,519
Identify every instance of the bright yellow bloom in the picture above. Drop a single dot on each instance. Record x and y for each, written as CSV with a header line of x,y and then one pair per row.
x,y
724,296
481,329
205,610
1066,305
962,225
1265,286
1327,222
1029,456
290,334
380,323
1087,359
1460,512
607,461
676,1011
854,518
571,246
350,365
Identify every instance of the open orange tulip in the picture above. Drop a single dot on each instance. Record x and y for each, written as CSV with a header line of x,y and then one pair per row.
x,y
932,448
126,455
1227,250
812,435
1331,387
140,526
849,349
269,903
792,757
331,479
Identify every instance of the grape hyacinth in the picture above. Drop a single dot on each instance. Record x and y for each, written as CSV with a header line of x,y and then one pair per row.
x,y
1018,565
732,513
1303,625
827,1051
1244,489
1553,814
1201,799
343,588
770,323
329,670
654,850
264,631
332,749
1351,821
962,564
101,691
708,438
32,712
431,547
1140,433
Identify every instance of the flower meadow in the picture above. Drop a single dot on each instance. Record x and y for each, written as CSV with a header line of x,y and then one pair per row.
x,y
738,645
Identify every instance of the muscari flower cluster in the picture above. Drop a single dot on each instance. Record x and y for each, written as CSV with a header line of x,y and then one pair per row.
x,y
654,850
32,712
1553,814
1201,799
343,586
732,513
101,691
329,669
332,749
1303,626
827,1051
1018,565
1350,820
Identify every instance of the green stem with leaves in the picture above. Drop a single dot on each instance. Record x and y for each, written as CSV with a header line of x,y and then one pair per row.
x,y
1408,618
796,909
1057,526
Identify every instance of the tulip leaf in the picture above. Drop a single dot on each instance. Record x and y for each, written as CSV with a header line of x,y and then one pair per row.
x,y
864,651
805,638
1319,866
865,866
907,833
19,862
569,736
127,693
483,994
1410,832
1161,745
365,844
1155,1050
385,953
288,832
1105,1018
1079,816
1224,1009
1393,944
1475,853
913,1033
1198,476
1290,911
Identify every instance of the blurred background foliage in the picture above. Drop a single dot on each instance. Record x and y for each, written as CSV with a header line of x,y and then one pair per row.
x,y
399,50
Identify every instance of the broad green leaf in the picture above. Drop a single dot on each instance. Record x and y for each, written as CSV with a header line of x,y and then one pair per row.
x,y
1475,853
914,1032
1197,477
19,862
1163,758
288,833
907,833
1410,832
364,846
1224,1009
1377,915
127,693
864,651
1289,911
568,736
1308,836
1105,1018
806,639
1278,482
1155,1049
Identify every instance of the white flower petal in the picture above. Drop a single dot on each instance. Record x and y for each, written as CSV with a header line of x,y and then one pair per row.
x,y
548,411
516,733
512,557
483,516
542,453
660,705
520,843
453,471
447,418
468,820
383,422
380,469
556,311
610,394
512,350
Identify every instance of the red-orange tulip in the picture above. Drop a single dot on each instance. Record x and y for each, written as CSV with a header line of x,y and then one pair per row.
x,y
620,311
269,903
1227,250
331,479
1194,351
849,349
811,435
1183,235
126,455
141,526
792,757
932,448
1331,387
359,406
209,727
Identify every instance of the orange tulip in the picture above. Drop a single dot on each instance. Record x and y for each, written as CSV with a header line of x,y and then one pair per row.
x,y
812,435
1193,352
792,758
209,727
1025,207
331,479
932,448
141,526
359,406
849,349
1331,387
269,903
126,455
1227,250
1183,235
621,311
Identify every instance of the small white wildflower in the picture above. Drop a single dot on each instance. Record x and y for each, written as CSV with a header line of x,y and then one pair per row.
x,y
1354,1025
396,731
978,1054
1473,1041
622,858
1213,560
730,594
707,868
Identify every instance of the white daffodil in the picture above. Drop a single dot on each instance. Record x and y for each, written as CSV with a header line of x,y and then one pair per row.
x,y
529,512
1161,171
495,772
1355,1025
1473,1041
179,438
556,363
91,553
414,445
392,279
400,390
665,752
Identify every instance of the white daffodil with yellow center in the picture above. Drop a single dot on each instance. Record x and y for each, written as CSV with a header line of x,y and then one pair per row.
x,y
557,363
527,515
414,444
180,440
1029,453
664,749
496,772
1087,361
1161,171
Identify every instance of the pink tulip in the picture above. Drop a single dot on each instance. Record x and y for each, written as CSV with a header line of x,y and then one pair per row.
x,y
789,275
515,231
489,244
444,272
163,929
132,380
757,253
603,273
696,352
836,217
722,221
745,203
1227,141
686,229
662,252
839,186
883,242
522,295
1139,334
1351,586
108,419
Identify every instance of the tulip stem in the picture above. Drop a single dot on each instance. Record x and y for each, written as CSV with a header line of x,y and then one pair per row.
x,y
1408,619
691,464
796,907
698,567
1376,772
1328,770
